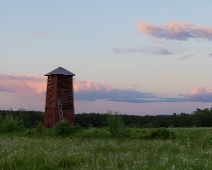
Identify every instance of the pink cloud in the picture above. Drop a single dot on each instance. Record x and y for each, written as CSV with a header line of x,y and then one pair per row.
x,y
199,94
90,86
41,33
26,85
84,90
27,92
37,84
175,30
22,84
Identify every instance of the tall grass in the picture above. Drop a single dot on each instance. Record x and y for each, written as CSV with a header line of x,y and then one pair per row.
x,y
96,149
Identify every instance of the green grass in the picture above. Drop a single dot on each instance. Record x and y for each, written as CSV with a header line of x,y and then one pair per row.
x,y
95,149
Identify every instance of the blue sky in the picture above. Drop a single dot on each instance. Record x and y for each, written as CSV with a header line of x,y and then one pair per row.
x,y
134,57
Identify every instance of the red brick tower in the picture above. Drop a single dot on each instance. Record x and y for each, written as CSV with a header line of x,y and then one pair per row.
x,y
59,97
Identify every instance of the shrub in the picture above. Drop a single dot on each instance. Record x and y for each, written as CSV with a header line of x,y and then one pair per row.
x,y
116,125
39,128
1,119
162,134
9,124
30,132
64,128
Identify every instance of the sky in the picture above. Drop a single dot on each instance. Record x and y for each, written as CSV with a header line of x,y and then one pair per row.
x,y
135,57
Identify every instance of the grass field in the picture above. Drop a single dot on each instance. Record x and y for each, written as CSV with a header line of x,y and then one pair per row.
x,y
95,149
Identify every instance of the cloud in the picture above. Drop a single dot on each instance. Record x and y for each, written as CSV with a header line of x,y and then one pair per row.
x,y
91,91
37,84
41,33
175,30
186,57
84,90
163,51
210,55
88,86
117,95
22,84
199,94
144,49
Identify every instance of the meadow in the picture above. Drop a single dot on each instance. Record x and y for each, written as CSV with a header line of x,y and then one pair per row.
x,y
96,149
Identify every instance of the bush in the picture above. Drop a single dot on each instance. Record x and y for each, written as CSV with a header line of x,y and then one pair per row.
x,y
162,134
9,125
1,119
116,125
39,128
30,132
64,128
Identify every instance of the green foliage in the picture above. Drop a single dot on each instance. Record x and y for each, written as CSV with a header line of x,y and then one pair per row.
x,y
93,133
30,132
9,125
70,162
162,133
116,125
39,128
1,119
190,150
29,119
87,120
198,118
64,128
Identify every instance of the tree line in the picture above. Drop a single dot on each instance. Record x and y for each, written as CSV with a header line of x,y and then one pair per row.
x,y
29,119
198,118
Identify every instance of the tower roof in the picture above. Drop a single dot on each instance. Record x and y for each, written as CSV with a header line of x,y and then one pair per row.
x,y
61,71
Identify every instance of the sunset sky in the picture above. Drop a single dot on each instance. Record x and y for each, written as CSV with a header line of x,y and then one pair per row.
x,y
135,57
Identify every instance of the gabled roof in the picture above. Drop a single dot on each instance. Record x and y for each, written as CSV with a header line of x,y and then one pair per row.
x,y
61,71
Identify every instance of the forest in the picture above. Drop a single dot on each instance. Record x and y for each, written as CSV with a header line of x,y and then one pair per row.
x,y
198,118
